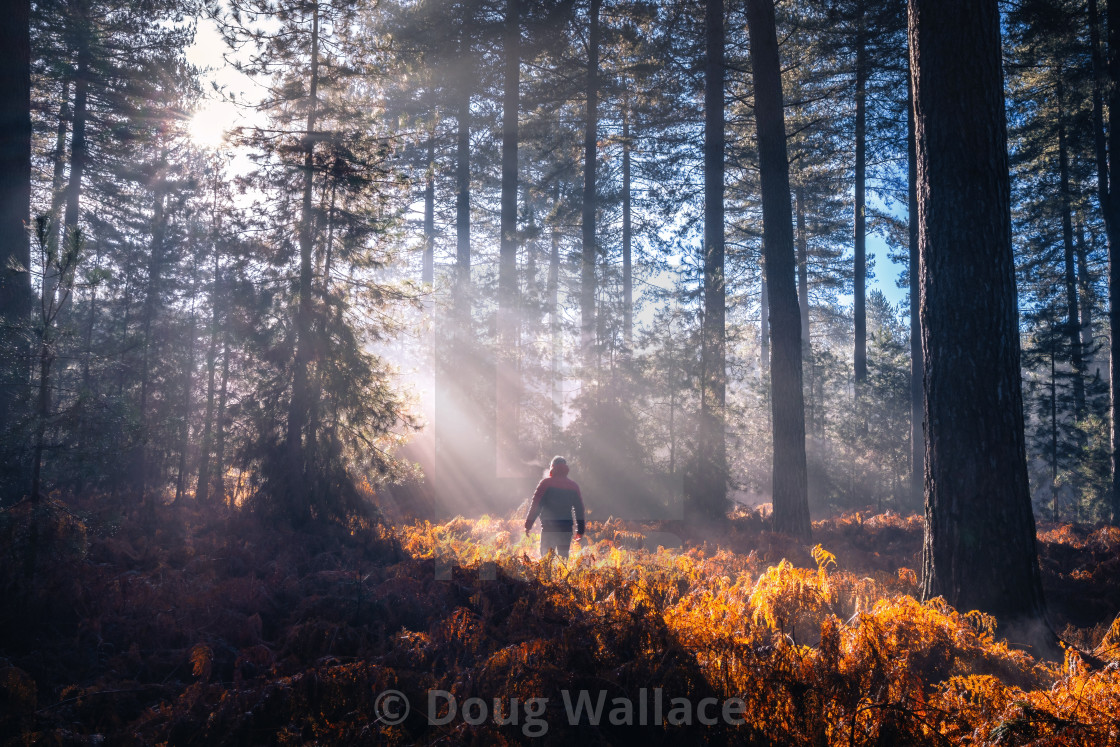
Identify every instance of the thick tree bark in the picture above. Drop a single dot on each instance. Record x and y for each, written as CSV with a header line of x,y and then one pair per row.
x,y
980,549
860,276
590,200
15,245
508,389
300,405
791,498
917,366
710,488
1107,75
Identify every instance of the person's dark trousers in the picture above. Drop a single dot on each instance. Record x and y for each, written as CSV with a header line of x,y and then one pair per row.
x,y
561,542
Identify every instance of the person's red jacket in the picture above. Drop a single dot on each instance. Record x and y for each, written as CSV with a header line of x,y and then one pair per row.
x,y
555,500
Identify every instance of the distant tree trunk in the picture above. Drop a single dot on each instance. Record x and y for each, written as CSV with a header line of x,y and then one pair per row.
x,y
590,200
673,394
428,269
710,490
91,322
763,324
980,548
42,412
791,498
126,317
300,405
79,155
220,426
188,407
58,179
1073,322
151,309
428,277
58,273
860,279
202,490
1054,425
322,259
627,232
554,331
803,269
507,394
461,293
917,388
15,244
803,305
68,195
1085,295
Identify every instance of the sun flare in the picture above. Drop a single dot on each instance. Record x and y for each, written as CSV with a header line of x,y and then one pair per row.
x,y
210,126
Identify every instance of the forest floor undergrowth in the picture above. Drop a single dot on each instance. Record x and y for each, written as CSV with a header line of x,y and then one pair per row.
x,y
209,628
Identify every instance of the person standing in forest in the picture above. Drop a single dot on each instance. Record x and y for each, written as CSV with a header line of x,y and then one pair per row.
x,y
556,500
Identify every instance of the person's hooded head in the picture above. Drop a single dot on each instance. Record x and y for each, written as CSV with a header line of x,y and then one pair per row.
x,y
558,467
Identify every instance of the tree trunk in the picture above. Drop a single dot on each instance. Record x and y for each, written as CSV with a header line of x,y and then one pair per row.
x,y
461,303
790,485
763,324
42,410
15,244
1110,208
590,201
428,269
220,426
91,322
58,178
1073,321
151,309
1085,295
188,406
507,394
710,489
803,270
1105,145
300,404
202,490
980,549
554,331
917,388
860,277
627,232
1054,425
79,155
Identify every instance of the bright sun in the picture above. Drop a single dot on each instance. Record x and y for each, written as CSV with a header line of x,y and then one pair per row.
x,y
210,125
